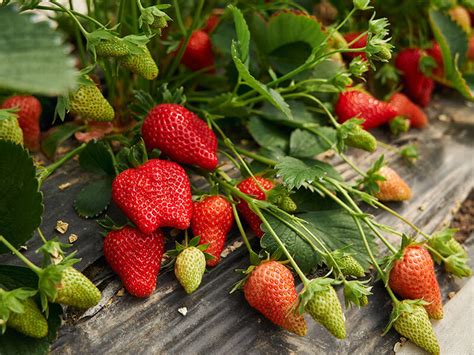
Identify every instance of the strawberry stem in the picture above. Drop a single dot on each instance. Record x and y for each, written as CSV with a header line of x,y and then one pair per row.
x,y
43,238
254,259
47,171
20,256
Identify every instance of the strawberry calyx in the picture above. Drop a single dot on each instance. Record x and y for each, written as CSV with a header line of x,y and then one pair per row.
x,y
356,292
399,124
405,306
321,284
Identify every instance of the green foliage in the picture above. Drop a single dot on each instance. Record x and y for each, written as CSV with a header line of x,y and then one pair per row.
x,y
267,134
304,144
97,158
94,198
59,135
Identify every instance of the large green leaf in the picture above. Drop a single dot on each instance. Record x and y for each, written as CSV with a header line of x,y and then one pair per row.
x,y
21,202
267,134
304,144
33,58
94,198
12,342
97,158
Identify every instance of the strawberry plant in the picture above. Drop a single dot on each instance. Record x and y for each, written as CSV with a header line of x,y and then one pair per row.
x,y
168,93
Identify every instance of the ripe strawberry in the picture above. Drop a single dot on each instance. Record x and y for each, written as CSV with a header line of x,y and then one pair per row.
x,y
394,188
113,47
360,43
405,107
181,135
156,194
212,221
141,64
189,268
28,117
354,103
136,258
270,289
470,50
198,54
413,277
10,128
325,308
250,187
31,322
414,324
418,86
212,23
90,104
76,290
435,53
461,16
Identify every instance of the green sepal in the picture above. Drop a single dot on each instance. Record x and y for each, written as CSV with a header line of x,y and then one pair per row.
x,y
152,19
369,182
53,249
320,284
240,284
356,293
402,307
444,243
399,125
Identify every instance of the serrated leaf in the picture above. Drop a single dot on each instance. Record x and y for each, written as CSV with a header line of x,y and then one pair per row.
x,y
21,202
94,198
304,144
243,34
266,134
97,158
298,110
33,58
297,173
58,135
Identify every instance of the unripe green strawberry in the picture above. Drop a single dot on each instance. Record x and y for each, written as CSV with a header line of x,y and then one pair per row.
x,y
189,268
325,308
31,322
10,128
287,204
350,266
362,139
399,125
364,301
141,64
90,104
413,323
76,290
113,47
159,23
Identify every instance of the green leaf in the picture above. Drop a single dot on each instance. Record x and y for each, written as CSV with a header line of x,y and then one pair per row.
x,y
267,134
312,201
299,112
243,34
58,136
304,144
97,158
271,95
12,277
297,173
21,202
33,58
94,198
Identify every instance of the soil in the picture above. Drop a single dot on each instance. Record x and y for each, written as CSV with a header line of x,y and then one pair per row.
x,y
463,220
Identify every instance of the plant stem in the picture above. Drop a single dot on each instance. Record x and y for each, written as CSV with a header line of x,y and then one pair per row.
x,y
43,238
254,259
20,256
73,12
43,174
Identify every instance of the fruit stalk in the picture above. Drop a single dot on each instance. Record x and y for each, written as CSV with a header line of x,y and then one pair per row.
x,y
47,171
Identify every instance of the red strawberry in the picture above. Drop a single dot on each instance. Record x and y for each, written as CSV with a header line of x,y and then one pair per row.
x,y
393,188
211,23
270,289
212,221
413,277
28,117
418,86
181,135
157,194
250,187
360,43
405,107
435,53
355,103
198,54
470,50
136,258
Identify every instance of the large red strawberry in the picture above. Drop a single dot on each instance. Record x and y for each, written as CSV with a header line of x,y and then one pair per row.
x,y
417,85
198,54
250,187
156,194
435,53
181,135
270,289
212,221
358,104
28,117
413,277
360,43
136,258
405,107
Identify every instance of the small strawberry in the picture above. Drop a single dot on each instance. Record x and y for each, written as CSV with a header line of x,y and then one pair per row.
x,y
393,188
189,268
181,135
112,47
287,204
76,290
406,108
90,104
10,128
212,221
360,43
412,276
251,187
198,54
211,23
350,266
29,113
470,50
435,53
461,16
136,258
411,321
270,289
359,138
141,64
156,194
320,300
355,103
417,85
